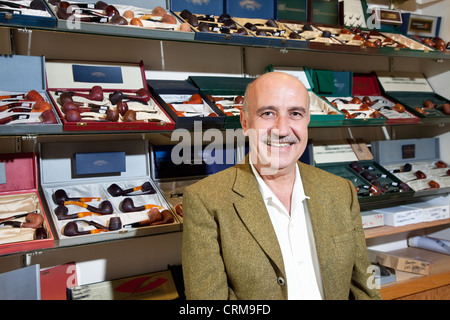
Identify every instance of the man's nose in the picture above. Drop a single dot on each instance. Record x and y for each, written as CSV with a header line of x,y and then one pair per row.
x,y
283,126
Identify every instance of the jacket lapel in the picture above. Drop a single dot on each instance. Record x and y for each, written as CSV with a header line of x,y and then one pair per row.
x,y
253,212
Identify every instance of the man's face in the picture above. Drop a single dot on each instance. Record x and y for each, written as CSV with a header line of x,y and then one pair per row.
x,y
276,123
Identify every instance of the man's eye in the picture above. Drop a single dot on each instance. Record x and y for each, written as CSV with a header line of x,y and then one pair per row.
x,y
268,114
296,114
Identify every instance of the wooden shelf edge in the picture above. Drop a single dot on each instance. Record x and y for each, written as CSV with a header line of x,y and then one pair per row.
x,y
388,230
408,287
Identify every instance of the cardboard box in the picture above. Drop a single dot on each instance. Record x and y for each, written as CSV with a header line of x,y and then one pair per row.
x,y
322,113
41,16
365,85
18,197
152,286
25,75
409,159
401,262
371,219
432,211
401,215
57,173
113,80
177,99
96,20
412,90
337,88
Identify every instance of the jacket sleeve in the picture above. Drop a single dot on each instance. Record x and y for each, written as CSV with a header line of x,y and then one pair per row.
x,y
360,288
203,267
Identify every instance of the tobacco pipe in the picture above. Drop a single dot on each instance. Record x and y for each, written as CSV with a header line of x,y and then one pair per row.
x,y
40,233
61,212
419,175
115,224
95,93
72,105
71,229
14,117
405,168
31,95
167,218
433,184
127,205
33,220
142,95
447,173
154,215
104,208
116,191
60,196
440,164
17,216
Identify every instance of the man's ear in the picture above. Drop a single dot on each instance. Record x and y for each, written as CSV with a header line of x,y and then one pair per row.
x,y
244,121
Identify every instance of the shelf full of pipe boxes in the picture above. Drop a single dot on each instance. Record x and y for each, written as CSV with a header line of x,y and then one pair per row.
x,y
186,22
63,98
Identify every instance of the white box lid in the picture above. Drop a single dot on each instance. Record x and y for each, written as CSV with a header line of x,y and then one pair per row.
x,y
403,82
56,162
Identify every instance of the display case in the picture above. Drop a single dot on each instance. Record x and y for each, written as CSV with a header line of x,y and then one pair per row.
x,y
23,222
25,106
101,191
104,96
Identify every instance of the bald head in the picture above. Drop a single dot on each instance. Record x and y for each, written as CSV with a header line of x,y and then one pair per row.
x,y
272,80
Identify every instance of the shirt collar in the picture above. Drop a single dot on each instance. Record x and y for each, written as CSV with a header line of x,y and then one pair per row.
x,y
268,194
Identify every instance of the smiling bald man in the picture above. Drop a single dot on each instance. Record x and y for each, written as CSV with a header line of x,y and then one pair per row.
x,y
273,227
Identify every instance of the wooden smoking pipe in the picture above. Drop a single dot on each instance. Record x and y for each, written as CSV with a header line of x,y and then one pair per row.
x,y
95,93
179,209
71,229
32,95
154,215
114,224
17,216
33,220
71,105
440,164
14,117
405,168
48,117
60,196
167,217
61,212
127,205
104,208
116,191
142,95
419,176
433,184
40,233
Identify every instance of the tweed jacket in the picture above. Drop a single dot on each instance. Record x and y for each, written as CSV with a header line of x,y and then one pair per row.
x,y
230,249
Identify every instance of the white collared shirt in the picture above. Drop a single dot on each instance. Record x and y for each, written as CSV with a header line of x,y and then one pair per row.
x,y
294,240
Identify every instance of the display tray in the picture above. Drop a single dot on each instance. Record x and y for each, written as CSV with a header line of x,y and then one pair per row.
x,y
104,96
334,38
25,106
272,32
366,89
415,93
24,225
336,87
27,13
371,180
110,205
186,104
416,162
126,19
322,113
217,28
227,93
